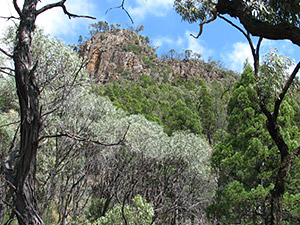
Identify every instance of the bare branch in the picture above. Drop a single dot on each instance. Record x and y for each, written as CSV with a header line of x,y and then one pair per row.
x,y
17,8
243,32
9,17
85,139
6,53
8,182
8,124
62,5
214,17
255,51
123,8
284,91
3,70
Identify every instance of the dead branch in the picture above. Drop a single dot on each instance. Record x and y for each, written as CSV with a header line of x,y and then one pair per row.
x,y
8,124
123,8
9,17
6,53
62,5
17,8
85,139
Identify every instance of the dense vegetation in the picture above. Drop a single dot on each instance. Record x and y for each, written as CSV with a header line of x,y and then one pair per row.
x,y
198,106
162,149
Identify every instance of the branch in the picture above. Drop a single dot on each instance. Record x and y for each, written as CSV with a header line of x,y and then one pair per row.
x,y
243,32
255,51
8,124
62,5
123,8
284,91
240,9
80,138
7,73
17,8
214,17
9,17
6,53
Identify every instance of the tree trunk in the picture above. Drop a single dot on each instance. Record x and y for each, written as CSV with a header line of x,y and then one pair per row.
x,y
2,205
27,90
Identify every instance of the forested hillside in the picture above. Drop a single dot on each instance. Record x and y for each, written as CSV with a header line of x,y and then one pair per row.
x,y
106,132
178,90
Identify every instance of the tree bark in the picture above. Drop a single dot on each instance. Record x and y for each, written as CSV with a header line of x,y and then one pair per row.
x,y
28,94
239,9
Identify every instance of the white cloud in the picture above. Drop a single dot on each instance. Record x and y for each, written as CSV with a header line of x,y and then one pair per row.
x,y
236,58
197,46
172,43
152,7
53,21
187,42
284,47
7,10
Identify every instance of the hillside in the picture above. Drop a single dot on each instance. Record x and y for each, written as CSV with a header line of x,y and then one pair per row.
x,y
179,90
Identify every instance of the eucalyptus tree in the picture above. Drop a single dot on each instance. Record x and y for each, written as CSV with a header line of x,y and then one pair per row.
x,y
275,20
30,112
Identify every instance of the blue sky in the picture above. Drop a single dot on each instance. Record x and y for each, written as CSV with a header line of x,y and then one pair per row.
x,y
219,41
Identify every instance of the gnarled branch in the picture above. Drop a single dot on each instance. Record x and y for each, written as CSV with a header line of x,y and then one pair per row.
x,y
214,17
62,5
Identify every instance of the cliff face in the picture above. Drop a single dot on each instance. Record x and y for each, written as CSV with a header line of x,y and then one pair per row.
x,y
123,53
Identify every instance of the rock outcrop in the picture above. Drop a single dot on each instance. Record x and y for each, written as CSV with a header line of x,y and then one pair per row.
x,y
123,53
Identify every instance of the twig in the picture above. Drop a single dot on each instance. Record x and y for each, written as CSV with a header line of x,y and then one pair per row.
x,y
8,182
6,53
8,124
9,17
123,8
80,138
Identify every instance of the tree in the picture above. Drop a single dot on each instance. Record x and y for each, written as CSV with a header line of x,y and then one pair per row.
x,y
30,112
271,19
265,19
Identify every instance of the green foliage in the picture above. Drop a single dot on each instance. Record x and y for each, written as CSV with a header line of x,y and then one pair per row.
x,y
181,117
136,49
271,11
194,105
100,26
247,160
136,213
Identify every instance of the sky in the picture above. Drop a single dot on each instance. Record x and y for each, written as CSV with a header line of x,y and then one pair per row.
x,y
219,41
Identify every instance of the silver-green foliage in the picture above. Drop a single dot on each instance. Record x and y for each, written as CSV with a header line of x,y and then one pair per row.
x,y
70,108
136,213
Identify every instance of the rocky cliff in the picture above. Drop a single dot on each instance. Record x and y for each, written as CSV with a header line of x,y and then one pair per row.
x,y
123,53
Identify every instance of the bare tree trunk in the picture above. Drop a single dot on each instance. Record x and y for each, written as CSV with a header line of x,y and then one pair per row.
x,y
28,93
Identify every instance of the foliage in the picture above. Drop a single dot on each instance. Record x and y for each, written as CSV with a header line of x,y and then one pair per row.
x,y
178,105
72,167
272,11
138,212
247,160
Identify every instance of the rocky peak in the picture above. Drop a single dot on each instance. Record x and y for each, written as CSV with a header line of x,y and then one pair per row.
x,y
115,53
123,53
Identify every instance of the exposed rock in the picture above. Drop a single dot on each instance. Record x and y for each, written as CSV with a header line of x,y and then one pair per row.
x,y
118,53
